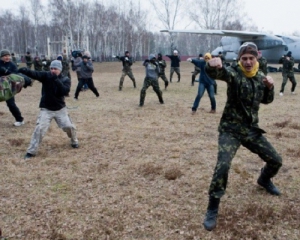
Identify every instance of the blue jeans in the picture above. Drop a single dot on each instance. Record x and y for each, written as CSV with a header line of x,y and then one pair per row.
x,y
211,93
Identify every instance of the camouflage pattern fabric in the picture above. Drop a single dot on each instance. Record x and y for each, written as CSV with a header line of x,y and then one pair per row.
x,y
162,66
239,123
10,85
65,67
38,65
288,73
14,60
195,73
28,60
228,145
263,65
46,64
147,83
126,72
177,70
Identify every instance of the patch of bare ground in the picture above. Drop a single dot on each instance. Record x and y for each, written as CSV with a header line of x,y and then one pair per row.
x,y
143,173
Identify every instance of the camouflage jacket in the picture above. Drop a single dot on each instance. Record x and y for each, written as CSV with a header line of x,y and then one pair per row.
x,y
126,61
162,66
287,65
263,65
65,67
244,96
28,59
38,65
46,64
14,60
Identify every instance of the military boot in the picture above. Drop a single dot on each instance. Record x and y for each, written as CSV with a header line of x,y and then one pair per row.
x,y
178,78
264,180
210,221
134,84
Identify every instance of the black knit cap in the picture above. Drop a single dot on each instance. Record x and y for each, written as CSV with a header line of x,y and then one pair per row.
x,y
289,54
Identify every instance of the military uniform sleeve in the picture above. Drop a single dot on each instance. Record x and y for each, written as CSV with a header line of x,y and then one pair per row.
x,y
268,95
223,73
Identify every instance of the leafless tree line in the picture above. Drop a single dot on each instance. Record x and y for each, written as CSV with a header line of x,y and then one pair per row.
x,y
110,29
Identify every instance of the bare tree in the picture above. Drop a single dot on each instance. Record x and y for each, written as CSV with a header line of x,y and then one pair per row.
x,y
37,13
168,13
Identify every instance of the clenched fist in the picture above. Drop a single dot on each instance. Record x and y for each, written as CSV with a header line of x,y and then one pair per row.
x,y
215,62
269,82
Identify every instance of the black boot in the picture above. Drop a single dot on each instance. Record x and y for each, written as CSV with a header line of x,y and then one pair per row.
x,y
210,221
264,180
134,84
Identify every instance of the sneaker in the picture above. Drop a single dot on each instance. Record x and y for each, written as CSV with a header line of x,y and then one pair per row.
x,y
75,98
193,112
281,94
28,156
75,145
18,124
293,93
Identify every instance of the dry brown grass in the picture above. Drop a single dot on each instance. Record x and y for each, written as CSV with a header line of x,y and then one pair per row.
x,y
143,173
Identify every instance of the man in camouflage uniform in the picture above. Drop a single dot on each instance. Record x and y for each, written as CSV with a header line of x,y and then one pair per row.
x,y
14,59
151,79
46,63
38,65
263,63
162,66
28,60
287,72
126,71
247,88
66,66
197,70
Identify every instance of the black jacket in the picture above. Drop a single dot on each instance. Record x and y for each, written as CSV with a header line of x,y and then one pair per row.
x,y
54,88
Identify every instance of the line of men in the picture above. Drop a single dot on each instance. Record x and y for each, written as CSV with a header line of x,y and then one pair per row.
x,y
247,85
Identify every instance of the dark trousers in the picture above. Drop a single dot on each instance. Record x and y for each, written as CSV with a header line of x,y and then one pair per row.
x,y
14,109
228,145
90,83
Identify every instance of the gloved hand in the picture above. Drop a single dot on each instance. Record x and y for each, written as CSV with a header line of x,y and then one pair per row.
x,y
126,59
189,59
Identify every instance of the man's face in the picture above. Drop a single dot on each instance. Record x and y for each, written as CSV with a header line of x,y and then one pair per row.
x,y
248,61
85,59
55,71
6,58
127,54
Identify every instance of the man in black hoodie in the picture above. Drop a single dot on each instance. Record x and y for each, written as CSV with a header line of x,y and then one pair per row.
x,y
55,87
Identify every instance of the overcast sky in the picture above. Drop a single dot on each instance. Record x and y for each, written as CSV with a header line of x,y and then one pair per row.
x,y
277,16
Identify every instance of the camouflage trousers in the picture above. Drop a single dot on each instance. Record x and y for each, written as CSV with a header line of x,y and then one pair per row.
x,y
228,145
195,73
291,77
43,122
177,70
127,72
147,83
164,78
29,65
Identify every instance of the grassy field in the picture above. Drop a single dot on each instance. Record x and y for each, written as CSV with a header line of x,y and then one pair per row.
x,y
143,173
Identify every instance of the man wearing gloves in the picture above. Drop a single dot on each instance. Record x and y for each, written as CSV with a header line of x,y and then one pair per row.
x,y
151,79
52,104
